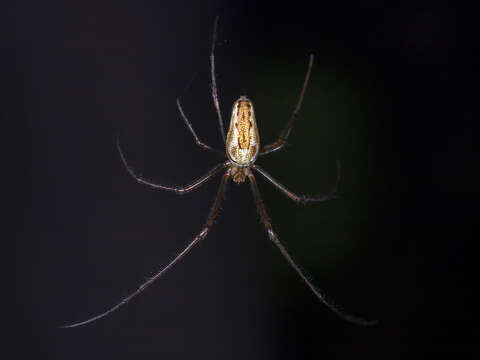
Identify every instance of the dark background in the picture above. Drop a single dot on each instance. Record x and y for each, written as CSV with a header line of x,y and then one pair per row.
x,y
393,95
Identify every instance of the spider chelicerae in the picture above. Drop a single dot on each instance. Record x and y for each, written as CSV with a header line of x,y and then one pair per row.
x,y
242,144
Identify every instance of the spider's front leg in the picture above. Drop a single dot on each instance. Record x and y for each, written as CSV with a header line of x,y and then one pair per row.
x,y
201,235
177,190
320,295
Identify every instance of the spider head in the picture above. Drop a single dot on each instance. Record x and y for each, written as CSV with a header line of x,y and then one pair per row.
x,y
238,174
243,141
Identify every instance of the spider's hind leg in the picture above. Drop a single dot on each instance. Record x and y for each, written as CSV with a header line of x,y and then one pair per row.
x,y
214,80
195,136
280,142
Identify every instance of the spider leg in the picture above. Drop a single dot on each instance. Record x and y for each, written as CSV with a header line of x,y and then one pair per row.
x,y
280,142
320,295
150,281
297,198
177,190
190,127
214,80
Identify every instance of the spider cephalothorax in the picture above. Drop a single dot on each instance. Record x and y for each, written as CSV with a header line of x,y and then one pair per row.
x,y
238,174
242,149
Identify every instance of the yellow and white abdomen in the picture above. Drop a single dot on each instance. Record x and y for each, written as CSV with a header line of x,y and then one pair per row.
x,y
243,142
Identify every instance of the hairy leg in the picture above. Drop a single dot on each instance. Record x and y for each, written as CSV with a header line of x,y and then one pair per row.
x,y
280,142
320,295
178,190
297,198
190,127
214,80
200,236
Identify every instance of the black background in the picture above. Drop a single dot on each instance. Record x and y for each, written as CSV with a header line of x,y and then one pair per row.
x,y
393,96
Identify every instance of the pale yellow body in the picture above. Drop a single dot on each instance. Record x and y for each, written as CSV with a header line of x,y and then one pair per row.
x,y
243,142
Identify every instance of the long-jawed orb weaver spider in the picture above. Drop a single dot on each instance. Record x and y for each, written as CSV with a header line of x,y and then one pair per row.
x,y
242,149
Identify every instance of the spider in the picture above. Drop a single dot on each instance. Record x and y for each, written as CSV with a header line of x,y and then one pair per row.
x,y
242,144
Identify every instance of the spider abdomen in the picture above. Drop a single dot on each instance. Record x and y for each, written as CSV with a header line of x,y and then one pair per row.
x,y
243,142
